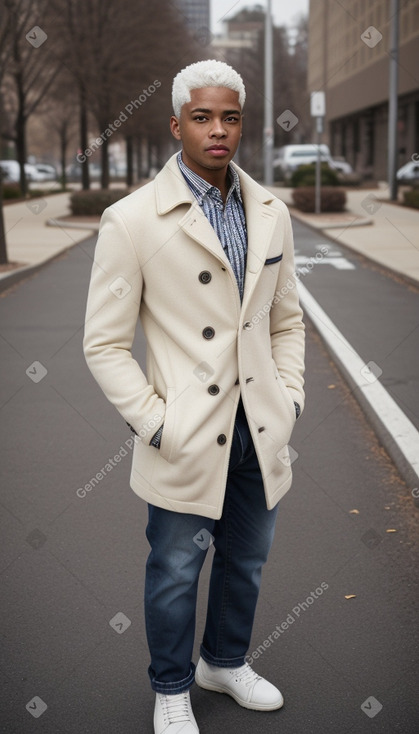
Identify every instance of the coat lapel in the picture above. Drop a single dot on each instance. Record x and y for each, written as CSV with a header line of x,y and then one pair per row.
x,y
172,191
261,220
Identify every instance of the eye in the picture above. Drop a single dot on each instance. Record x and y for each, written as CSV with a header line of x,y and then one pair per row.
x,y
232,119
200,118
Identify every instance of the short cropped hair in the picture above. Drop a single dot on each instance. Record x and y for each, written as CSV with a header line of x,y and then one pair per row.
x,y
210,73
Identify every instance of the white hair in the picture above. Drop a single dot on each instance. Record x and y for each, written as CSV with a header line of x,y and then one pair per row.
x,y
203,74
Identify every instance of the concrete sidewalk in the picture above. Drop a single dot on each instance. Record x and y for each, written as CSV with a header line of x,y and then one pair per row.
x,y
383,232
31,242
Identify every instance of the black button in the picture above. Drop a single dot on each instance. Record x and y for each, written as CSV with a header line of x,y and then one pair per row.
x,y
205,276
222,439
247,325
213,389
262,428
208,332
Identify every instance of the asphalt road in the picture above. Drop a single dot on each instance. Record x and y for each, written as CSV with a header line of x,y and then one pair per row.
x,y
377,311
74,653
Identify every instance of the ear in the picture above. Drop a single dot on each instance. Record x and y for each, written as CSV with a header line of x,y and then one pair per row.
x,y
175,127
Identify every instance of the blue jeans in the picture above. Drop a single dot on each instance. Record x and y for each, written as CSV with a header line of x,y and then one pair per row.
x,y
179,542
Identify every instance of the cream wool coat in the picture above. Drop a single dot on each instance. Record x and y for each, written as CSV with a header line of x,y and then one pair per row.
x,y
158,258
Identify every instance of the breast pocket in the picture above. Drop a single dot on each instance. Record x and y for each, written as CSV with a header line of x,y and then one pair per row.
x,y
273,260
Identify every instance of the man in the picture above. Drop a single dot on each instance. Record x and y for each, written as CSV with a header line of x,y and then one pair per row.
x,y
204,256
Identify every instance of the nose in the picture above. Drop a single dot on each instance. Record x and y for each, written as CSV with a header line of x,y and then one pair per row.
x,y
217,129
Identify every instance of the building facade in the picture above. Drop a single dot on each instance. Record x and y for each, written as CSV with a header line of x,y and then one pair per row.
x,y
348,58
196,14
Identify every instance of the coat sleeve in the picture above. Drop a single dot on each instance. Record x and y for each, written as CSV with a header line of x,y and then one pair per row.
x,y
286,324
112,313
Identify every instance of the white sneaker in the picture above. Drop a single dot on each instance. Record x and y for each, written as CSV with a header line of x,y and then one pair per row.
x,y
246,687
174,715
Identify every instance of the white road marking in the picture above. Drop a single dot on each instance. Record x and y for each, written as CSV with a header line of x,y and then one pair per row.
x,y
338,262
397,432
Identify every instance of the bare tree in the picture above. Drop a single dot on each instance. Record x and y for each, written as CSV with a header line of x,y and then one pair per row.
x,y
31,68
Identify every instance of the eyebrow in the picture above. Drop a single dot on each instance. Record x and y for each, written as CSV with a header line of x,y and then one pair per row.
x,y
208,112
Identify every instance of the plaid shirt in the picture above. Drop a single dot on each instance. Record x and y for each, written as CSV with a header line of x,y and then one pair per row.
x,y
228,221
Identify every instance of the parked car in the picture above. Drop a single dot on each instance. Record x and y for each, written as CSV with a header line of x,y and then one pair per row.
x,y
291,156
409,173
47,172
11,172
340,165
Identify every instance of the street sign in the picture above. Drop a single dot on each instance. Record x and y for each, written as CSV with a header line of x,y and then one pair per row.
x,y
317,104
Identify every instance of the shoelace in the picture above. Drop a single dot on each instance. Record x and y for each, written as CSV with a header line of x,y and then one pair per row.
x,y
176,708
246,675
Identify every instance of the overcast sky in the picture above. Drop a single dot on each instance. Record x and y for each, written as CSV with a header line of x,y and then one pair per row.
x,y
284,11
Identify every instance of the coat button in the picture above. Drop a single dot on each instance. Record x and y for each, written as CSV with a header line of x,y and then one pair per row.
x,y
205,276
213,389
247,325
208,332
222,439
262,428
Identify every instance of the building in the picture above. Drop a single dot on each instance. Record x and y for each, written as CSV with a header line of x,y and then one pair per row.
x,y
348,58
196,14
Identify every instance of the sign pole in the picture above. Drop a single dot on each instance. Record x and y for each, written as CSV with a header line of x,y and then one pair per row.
x,y
318,110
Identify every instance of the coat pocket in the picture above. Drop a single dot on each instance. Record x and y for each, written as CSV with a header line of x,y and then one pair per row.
x,y
286,395
168,437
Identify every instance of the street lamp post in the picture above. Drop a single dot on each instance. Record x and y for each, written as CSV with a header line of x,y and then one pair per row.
x,y
268,120
392,102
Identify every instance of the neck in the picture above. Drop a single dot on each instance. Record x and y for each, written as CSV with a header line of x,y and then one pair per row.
x,y
219,178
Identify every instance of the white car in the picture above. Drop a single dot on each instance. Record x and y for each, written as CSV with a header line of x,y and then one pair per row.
x,y
11,171
291,156
409,173
46,172
341,166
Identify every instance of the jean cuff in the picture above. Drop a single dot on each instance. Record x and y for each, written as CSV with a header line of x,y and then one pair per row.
x,y
221,662
172,688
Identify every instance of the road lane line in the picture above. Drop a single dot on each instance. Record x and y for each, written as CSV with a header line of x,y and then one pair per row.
x,y
395,431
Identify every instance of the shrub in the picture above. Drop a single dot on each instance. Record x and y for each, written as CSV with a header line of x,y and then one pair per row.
x,y
11,191
411,198
332,199
306,176
93,203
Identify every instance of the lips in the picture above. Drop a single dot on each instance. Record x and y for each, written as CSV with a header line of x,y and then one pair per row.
x,y
219,148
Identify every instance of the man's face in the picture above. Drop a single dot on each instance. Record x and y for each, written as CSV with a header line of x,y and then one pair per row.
x,y
210,128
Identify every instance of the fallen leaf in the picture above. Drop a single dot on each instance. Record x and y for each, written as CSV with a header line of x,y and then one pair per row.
x,y
387,507
354,512
391,530
350,596
331,387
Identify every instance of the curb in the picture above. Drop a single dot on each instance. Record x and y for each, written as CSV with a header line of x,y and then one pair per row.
x,y
10,279
62,223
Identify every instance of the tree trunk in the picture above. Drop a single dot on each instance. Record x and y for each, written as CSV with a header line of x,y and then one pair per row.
x,y
63,155
85,177
139,157
21,137
130,160
3,247
104,157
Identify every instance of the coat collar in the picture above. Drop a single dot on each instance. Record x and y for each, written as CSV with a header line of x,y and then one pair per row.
x,y
173,191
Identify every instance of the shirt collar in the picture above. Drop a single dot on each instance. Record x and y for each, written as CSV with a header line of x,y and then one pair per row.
x,y
201,188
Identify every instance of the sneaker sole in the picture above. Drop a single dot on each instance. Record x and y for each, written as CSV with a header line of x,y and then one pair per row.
x,y
203,683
